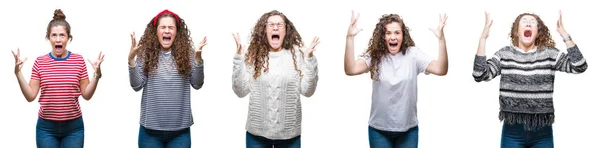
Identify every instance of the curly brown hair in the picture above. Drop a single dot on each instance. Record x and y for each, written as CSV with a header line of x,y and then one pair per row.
x,y
59,19
181,49
377,47
258,51
544,38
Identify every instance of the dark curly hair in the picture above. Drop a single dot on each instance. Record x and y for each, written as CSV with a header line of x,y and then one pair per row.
x,y
377,46
59,19
544,38
258,51
181,49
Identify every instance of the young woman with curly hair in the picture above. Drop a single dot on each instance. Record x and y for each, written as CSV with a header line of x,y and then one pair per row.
x,y
275,72
394,63
61,77
166,65
527,70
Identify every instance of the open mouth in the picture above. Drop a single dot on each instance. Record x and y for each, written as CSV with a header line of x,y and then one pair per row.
x,y
275,37
167,39
58,46
527,33
393,45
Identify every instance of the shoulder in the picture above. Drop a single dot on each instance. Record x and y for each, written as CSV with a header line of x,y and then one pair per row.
x,y
75,55
414,51
550,49
551,52
505,51
43,57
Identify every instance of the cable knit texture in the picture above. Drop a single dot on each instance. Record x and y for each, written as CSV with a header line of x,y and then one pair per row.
x,y
275,111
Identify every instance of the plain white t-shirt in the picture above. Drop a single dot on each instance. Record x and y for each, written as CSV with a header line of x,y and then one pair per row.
x,y
394,98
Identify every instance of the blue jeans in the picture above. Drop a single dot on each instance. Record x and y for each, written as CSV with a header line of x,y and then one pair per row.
x,y
387,139
57,134
253,141
515,136
149,138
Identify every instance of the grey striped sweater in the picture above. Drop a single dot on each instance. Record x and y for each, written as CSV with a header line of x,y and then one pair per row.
x,y
166,96
274,110
527,81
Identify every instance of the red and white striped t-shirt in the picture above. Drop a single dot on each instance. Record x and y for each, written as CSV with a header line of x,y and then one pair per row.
x,y
59,85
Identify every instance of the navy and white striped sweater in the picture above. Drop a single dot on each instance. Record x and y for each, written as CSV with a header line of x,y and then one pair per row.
x,y
527,81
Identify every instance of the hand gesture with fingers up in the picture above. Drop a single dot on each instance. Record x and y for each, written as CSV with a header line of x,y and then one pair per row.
x,y
353,30
18,60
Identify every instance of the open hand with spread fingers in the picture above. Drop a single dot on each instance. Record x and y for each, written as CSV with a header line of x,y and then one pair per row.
x,y
97,62
18,60
308,52
198,52
133,51
238,43
439,32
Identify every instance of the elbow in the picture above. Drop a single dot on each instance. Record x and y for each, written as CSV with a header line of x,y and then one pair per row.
x,y
308,95
87,97
30,99
582,68
239,94
137,88
443,73
198,86
349,72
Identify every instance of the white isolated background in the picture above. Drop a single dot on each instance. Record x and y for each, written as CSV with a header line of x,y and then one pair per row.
x,y
454,110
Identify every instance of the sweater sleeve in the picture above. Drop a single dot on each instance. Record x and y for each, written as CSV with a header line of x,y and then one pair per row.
x,y
240,76
137,78
310,76
571,62
197,77
486,69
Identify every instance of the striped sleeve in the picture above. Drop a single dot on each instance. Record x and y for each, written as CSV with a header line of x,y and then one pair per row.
x,y
571,62
35,71
137,78
197,78
486,69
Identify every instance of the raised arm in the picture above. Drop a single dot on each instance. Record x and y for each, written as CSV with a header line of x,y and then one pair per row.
x,y
485,69
240,75
31,89
440,66
310,75
197,78
352,66
137,78
572,61
88,87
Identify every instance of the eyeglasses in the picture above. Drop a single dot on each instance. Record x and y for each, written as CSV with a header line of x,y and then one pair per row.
x,y
272,25
530,22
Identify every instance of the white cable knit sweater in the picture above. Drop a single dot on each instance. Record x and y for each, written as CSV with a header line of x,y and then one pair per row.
x,y
275,111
